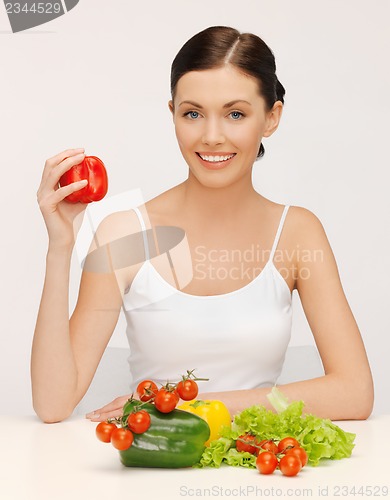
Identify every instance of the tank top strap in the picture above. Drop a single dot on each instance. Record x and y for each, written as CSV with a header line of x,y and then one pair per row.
x,y
144,233
278,232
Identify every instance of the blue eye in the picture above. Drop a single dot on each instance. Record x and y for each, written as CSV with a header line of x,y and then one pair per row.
x,y
192,114
237,115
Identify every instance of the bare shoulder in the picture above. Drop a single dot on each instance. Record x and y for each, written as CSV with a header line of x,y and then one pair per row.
x,y
306,227
303,219
314,255
306,241
117,225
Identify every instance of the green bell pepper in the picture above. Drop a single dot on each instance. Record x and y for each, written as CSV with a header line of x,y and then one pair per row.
x,y
173,440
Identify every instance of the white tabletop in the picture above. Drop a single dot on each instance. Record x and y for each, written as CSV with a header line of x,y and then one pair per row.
x,y
65,460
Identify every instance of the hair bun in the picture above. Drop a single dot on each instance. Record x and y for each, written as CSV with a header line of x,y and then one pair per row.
x,y
280,91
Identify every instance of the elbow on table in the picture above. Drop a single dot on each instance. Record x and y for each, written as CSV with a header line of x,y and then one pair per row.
x,y
362,403
367,407
52,415
363,412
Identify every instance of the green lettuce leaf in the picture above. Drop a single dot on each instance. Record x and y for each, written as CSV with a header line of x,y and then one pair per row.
x,y
321,438
240,458
215,453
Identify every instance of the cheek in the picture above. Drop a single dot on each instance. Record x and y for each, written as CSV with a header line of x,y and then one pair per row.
x,y
246,139
185,140
185,135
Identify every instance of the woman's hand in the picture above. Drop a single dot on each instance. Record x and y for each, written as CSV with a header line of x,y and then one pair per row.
x,y
114,409
58,214
111,410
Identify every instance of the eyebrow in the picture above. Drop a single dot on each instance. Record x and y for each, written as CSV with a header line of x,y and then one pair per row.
x,y
227,105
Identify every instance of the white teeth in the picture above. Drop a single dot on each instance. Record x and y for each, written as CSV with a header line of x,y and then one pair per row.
x,y
216,158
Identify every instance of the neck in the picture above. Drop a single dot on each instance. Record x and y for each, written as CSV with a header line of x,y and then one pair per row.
x,y
220,203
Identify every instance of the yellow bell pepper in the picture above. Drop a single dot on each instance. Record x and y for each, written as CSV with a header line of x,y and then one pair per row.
x,y
214,412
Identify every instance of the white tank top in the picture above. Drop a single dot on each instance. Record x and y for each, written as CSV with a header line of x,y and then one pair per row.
x,y
237,340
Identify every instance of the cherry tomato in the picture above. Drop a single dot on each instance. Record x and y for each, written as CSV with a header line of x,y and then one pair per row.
x,y
250,440
104,431
287,441
269,445
92,169
121,438
147,390
139,421
166,400
187,389
266,462
298,452
290,465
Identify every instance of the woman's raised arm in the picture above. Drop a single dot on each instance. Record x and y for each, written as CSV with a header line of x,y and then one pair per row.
x,y
65,353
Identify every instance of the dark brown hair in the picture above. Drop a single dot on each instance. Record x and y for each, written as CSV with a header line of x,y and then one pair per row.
x,y
219,45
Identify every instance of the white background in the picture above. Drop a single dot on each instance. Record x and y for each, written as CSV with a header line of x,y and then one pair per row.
x,y
98,77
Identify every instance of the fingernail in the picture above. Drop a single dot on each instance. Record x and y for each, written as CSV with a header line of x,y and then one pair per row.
x,y
90,414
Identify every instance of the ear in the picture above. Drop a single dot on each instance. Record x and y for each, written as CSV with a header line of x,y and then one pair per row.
x,y
273,118
171,107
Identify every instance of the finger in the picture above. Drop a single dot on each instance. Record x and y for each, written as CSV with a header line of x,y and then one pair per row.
x,y
58,170
106,415
48,201
52,174
114,406
65,191
57,159
50,180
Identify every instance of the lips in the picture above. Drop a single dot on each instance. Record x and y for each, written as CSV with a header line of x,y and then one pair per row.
x,y
222,155
215,160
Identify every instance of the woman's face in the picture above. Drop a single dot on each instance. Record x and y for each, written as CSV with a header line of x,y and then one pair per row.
x,y
220,119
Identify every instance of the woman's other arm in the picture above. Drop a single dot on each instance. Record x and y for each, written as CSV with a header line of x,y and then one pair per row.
x,y
346,390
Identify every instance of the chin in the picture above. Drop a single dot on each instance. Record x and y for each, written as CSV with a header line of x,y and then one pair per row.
x,y
212,181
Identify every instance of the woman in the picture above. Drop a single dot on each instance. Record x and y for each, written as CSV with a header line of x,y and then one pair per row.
x,y
231,319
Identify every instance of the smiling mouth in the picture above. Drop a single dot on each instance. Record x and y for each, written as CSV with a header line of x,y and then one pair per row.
x,y
216,158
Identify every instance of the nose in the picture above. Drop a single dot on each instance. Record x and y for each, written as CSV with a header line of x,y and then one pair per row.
x,y
212,133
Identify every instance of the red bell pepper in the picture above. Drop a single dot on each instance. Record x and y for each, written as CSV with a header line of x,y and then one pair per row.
x,y
92,169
